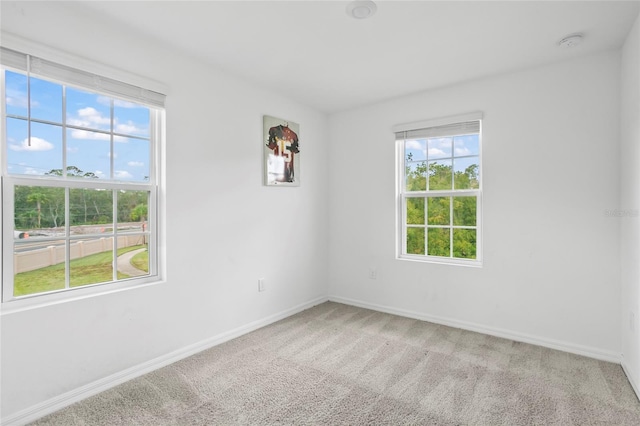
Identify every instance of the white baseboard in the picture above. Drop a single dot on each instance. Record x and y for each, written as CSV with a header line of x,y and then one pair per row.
x,y
631,377
57,403
493,331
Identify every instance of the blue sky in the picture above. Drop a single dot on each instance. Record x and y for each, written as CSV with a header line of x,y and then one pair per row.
x,y
462,151
86,148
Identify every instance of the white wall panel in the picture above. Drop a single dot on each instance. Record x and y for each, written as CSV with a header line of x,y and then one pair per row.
x,y
224,229
550,174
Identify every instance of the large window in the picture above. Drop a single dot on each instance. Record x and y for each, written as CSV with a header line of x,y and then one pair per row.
x,y
439,190
79,179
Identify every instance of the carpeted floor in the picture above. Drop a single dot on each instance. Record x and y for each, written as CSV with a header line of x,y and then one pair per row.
x,y
341,365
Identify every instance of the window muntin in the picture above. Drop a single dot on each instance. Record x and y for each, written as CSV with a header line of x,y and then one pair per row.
x,y
439,188
79,185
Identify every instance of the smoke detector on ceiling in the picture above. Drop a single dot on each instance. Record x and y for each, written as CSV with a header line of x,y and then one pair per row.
x,y
571,41
361,9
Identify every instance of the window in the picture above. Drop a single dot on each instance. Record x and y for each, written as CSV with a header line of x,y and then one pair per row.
x,y
79,179
439,190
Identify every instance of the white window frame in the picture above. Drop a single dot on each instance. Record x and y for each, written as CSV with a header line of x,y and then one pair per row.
x,y
402,132
14,60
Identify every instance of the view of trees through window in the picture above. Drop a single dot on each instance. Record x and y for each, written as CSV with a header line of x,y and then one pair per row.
x,y
441,178
78,181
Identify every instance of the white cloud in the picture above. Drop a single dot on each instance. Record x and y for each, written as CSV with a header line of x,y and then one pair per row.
x,y
72,150
84,134
18,99
99,173
16,102
115,155
129,128
31,171
414,145
95,136
443,142
437,152
122,174
93,116
135,164
460,151
37,144
90,117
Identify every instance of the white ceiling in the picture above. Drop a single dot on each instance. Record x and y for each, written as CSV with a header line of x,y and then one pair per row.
x,y
314,53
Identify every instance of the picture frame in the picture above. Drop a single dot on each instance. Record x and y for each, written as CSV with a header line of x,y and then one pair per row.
x,y
281,147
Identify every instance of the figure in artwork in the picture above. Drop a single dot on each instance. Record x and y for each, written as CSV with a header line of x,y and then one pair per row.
x,y
284,144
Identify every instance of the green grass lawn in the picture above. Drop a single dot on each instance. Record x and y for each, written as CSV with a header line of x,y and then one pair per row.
x,y
141,261
97,268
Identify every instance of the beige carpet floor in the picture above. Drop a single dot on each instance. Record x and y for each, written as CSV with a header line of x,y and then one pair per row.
x,y
341,365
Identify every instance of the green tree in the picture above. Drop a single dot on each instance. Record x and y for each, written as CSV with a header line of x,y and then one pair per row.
x,y
39,198
436,211
72,171
139,213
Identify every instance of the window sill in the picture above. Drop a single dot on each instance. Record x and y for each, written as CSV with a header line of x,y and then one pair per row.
x,y
441,260
37,301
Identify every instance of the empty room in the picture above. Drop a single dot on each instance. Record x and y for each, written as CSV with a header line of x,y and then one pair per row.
x,y
320,212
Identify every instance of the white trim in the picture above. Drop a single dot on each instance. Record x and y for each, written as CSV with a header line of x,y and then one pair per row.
x,y
11,303
631,377
587,351
435,122
59,402
14,42
402,194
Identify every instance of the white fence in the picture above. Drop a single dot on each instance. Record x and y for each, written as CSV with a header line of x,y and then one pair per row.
x,y
52,255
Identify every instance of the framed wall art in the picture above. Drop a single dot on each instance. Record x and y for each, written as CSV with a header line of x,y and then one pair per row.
x,y
281,152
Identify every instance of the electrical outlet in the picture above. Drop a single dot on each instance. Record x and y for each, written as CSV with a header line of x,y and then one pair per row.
x,y
373,273
261,286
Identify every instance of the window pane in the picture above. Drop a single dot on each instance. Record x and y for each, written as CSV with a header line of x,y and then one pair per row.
x,y
415,150
91,261
440,175
133,260
439,148
415,211
464,243
40,155
133,233
88,154
16,93
131,159
415,240
38,266
416,176
439,242
133,211
466,174
464,211
439,211
466,145
71,234
130,119
91,211
46,100
88,110
39,258
39,210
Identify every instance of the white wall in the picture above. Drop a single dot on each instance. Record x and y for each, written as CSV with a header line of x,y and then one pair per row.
x,y
224,229
550,171
551,256
630,203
